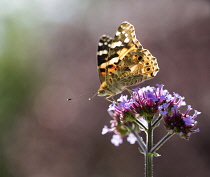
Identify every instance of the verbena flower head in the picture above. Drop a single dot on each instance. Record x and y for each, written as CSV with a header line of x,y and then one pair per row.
x,y
183,124
144,105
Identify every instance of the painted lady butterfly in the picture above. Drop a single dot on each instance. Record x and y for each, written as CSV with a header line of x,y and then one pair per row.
x,y
123,62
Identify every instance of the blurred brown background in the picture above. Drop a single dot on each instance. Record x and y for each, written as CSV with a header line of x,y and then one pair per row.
x,y
48,54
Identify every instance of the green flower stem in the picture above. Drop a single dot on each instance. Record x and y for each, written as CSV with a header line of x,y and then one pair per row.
x,y
140,124
155,123
161,142
149,156
140,141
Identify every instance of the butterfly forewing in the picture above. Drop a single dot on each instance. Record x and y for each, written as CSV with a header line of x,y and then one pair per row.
x,y
102,55
123,41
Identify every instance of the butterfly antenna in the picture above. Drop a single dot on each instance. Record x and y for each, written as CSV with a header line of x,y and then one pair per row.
x,y
92,96
69,99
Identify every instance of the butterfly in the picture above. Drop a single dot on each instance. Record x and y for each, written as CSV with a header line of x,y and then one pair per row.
x,y
123,62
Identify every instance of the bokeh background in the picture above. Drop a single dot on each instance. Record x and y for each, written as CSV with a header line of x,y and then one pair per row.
x,y
48,54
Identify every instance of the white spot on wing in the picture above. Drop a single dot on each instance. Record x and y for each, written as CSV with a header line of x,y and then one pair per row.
x,y
116,44
100,44
102,52
114,60
117,33
126,40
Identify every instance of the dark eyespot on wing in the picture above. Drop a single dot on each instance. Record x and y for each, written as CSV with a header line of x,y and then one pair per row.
x,y
140,57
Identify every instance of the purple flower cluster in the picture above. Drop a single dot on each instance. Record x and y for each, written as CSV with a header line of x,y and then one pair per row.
x,y
183,124
144,105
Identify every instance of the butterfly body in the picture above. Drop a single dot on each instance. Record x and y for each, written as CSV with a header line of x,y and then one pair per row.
x,y
123,62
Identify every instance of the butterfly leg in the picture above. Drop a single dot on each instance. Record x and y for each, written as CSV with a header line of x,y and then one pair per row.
x,y
110,98
129,90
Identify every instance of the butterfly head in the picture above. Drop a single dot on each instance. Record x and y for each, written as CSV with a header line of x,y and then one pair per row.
x,y
104,90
